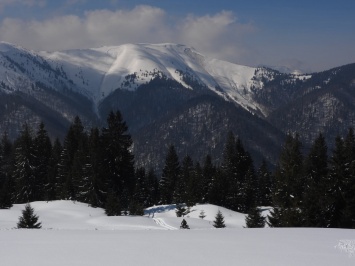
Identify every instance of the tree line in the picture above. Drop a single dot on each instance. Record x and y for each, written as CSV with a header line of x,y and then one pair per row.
x,y
97,167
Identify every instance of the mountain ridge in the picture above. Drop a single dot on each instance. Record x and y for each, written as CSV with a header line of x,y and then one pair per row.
x,y
157,86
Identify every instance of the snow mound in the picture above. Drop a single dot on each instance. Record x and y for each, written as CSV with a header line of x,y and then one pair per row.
x,y
71,215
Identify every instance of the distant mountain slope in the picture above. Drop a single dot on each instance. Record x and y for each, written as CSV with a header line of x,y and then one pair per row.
x,y
172,94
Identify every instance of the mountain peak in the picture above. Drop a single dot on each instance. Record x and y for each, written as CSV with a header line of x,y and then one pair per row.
x,y
6,47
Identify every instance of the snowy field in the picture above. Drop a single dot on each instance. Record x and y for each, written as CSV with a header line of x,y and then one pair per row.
x,y
75,234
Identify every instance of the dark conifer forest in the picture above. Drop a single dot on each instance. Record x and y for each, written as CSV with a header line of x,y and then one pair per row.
x,y
96,166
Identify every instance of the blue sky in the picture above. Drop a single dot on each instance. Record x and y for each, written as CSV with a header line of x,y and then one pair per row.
x,y
307,35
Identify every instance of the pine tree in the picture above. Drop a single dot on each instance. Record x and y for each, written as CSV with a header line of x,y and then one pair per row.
x,y
24,174
208,175
194,186
184,224
29,219
181,185
113,206
7,185
219,220
202,214
289,182
348,220
153,188
141,190
336,186
230,173
254,219
70,164
42,153
118,161
180,210
275,219
171,172
51,184
315,197
91,187
265,186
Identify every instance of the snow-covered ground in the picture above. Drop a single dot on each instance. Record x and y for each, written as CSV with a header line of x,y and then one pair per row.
x,y
75,234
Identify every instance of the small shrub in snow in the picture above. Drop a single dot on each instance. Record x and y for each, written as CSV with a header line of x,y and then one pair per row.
x,y
219,220
28,219
184,225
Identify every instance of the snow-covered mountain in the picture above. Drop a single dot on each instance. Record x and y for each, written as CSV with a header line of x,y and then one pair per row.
x,y
96,73
172,94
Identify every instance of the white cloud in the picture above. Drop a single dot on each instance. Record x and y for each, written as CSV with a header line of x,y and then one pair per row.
x,y
219,35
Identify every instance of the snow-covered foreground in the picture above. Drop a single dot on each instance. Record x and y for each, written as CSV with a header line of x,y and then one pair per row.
x,y
134,241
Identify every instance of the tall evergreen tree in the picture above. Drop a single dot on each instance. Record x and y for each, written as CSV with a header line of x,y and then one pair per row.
x,y
118,161
182,180
230,172
337,204
254,219
194,186
24,174
208,175
140,195
315,197
265,185
348,220
67,178
153,188
42,153
289,182
171,172
7,185
275,218
51,184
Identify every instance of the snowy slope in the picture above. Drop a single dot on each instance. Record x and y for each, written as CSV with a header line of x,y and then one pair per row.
x,y
97,72
100,71
76,215
74,234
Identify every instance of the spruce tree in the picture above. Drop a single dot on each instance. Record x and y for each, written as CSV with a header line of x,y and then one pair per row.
x,y
219,220
171,172
230,174
7,185
141,189
208,176
336,186
24,174
202,214
315,197
91,188
42,151
275,218
265,185
153,188
113,206
254,219
180,210
118,160
348,220
29,219
51,184
182,180
184,224
289,182
70,164
194,186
